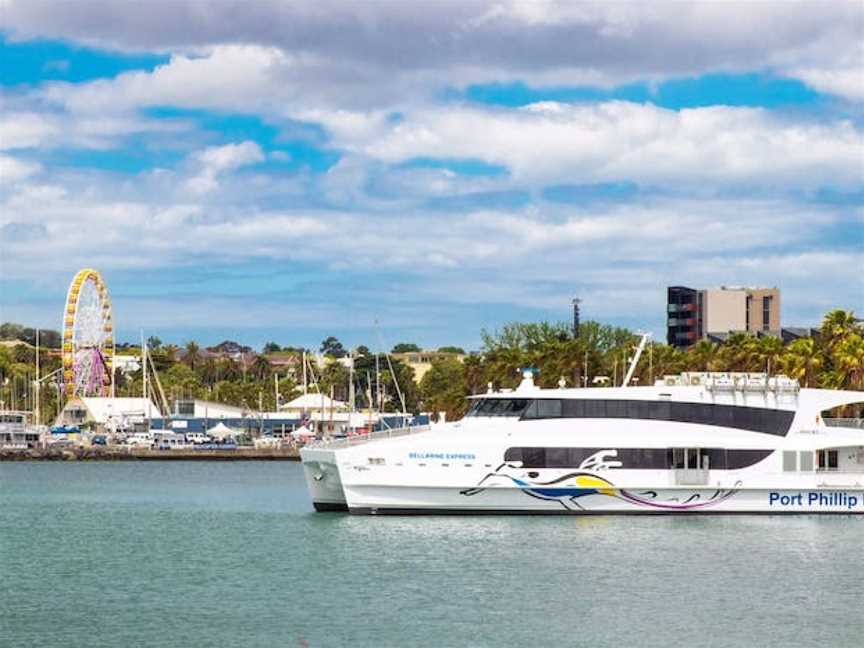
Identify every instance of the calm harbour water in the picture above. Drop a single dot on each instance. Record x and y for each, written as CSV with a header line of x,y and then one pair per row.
x,y
230,554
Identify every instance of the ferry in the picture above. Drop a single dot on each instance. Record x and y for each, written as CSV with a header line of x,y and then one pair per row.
x,y
691,443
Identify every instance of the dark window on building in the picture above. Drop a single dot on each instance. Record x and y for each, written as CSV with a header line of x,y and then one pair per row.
x,y
186,407
766,313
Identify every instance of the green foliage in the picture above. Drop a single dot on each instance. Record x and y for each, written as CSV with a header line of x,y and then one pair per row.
x,y
47,338
332,347
444,388
452,349
833,359
406,347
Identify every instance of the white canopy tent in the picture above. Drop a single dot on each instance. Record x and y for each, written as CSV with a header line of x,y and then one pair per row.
x,y
220,431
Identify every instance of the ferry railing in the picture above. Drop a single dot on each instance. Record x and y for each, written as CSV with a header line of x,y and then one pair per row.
x,y
359,439
691,477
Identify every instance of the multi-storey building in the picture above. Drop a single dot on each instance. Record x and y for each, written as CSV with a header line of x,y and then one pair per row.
x,y
694,314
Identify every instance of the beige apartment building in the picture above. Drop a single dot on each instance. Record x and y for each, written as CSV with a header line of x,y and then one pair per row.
x,y
695,314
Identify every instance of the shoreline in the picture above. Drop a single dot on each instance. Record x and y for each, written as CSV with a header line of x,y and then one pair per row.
x,y
102,454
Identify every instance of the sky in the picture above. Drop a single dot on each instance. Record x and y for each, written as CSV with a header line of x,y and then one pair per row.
x,y
390,171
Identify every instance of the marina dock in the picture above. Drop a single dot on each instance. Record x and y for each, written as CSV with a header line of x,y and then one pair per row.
x,y
147,454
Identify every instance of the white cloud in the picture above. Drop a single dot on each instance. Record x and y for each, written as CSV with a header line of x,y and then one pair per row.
x,y
583,143
216,160
25,130
12,169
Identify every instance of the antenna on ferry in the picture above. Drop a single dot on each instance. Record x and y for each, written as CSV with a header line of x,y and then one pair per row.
x,y
635,361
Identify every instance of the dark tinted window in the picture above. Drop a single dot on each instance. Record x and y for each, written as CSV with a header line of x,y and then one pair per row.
x,y
534,457
544,408
616,409
595,409
737,459
640,458
498,407
745,418
573,408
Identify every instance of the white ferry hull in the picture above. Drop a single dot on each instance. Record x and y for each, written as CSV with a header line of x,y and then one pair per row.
x,y
431,500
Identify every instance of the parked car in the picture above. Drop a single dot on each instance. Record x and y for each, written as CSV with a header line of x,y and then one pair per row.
x,y
140,439
198,438
100,440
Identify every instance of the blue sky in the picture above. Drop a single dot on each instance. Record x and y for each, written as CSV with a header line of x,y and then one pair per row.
x,y
438,173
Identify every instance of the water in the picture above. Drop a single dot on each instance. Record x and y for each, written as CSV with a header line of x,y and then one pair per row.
x,y
230,554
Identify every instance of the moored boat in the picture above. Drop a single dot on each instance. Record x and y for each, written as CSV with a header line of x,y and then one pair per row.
x,y
694,443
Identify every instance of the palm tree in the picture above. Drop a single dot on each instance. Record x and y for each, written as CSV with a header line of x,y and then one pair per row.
x,y
768,351
261,367
191,356
848,361
802,359
700,356
837,324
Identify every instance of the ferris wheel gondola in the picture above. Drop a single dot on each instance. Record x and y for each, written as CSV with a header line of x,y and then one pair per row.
x,y
88,337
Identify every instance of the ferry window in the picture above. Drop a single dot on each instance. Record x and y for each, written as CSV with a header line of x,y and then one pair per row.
x,y
475,405
494,407
513,454
806,460
832,459
515,407
574,408
543,408
533,457
717,458
790,463
558,458
643,458
660,411
595,409
547,408
738,459
676,458
616,409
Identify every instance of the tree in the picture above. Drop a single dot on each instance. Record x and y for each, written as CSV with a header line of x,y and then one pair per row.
x,y
405,347
271,347
451,349
192,354
333,347
802,360
261,367
334,377
443,388
153,343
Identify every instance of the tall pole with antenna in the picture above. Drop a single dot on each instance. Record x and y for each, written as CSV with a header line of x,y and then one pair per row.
x,y
576,301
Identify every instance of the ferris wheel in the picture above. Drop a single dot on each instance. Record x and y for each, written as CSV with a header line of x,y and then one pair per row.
x,y
88,337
